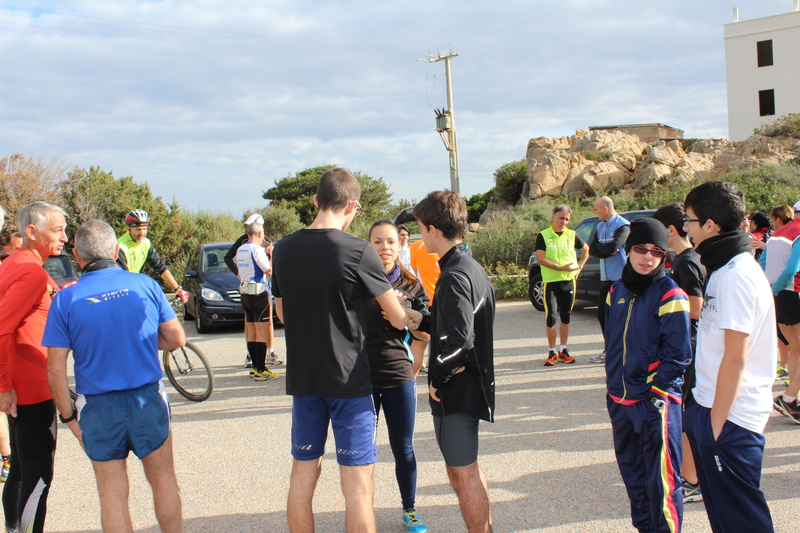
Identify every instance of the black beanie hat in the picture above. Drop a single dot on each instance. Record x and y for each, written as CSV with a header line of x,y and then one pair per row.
x,y
647,231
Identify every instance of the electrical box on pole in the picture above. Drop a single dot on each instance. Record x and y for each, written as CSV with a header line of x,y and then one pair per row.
x,y
445,120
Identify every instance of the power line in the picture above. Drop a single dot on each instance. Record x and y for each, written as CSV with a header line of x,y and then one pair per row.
x,y
206,32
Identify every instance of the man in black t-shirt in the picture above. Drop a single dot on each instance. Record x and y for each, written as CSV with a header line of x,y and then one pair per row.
x,y
323,279
690,275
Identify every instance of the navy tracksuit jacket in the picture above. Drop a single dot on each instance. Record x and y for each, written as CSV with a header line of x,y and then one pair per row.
x,y
647,350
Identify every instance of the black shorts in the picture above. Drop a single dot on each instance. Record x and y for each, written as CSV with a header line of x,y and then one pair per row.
x,y
787,305
558,296
457,436
257,307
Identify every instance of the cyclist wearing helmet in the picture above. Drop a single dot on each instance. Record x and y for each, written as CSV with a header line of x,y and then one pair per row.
x,y
136,250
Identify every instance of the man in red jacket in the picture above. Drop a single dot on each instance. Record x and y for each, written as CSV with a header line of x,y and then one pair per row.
x,y
24,395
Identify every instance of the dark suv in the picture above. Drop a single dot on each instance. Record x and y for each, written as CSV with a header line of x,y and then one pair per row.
x,y
588,286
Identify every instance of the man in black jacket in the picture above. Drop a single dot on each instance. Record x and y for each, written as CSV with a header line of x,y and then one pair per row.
x,y
461,363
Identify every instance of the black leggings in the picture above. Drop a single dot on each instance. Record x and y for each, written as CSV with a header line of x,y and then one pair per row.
x,y
559,297
33,445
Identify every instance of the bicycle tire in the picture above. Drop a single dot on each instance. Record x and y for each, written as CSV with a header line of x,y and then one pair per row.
x,y
189,372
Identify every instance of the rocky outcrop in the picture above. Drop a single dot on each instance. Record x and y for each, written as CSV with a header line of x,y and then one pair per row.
x,y
586,164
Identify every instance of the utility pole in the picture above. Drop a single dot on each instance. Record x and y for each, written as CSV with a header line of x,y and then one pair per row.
x,y
445,119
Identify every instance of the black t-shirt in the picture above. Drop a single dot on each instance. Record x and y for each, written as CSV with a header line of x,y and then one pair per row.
x,y
690,275
389,348
540,244
326,278
688,272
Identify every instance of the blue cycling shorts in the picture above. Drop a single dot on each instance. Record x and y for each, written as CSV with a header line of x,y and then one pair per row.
x,y
353,421
116,423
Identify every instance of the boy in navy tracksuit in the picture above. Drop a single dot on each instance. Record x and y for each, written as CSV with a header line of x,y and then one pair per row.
x,y
647,350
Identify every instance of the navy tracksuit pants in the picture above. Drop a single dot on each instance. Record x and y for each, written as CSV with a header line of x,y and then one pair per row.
x,y
648,446
729,469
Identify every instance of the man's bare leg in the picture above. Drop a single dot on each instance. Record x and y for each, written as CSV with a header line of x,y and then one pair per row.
x,y
112,484
358,489
564,330
551,337
159,468
473,496
303,481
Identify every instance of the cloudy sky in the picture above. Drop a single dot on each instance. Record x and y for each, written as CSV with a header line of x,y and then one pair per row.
x,y
211,101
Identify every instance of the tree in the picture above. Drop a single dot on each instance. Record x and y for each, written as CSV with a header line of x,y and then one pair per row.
x,y
298,192
476,205
24,180
509,180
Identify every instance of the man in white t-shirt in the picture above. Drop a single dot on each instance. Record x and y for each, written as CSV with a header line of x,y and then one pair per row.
x,y
254,268
735,363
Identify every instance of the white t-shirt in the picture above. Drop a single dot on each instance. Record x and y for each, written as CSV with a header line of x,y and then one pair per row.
x,y
404,257
738,297
253,262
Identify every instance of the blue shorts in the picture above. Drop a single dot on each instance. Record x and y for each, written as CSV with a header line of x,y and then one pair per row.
x,y
353,421
116,423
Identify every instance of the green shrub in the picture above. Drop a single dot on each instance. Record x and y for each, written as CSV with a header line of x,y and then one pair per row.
x,y
591,155
509,179
785,126
510,282
508,238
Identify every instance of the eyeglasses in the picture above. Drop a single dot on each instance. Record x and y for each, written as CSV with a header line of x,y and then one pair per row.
x,y
655,252
687,220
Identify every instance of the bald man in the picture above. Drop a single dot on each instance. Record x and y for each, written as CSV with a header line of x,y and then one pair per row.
x,y
607,244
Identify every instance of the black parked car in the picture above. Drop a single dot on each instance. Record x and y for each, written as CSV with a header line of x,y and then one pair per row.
x,y
213,289
214,298
588,286
61,269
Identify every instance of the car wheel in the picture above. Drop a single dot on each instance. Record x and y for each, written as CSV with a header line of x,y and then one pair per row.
x,y
536,291
186,314
200,323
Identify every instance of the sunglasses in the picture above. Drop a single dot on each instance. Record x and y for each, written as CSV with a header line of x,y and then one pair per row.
x,y
642,250
358,206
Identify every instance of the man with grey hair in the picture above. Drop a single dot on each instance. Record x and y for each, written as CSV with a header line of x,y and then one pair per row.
x,y
253,268
116,322
555,252
607,243
25,295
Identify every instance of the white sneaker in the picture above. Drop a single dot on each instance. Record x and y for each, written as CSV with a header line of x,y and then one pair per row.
x,y
599,358
272,359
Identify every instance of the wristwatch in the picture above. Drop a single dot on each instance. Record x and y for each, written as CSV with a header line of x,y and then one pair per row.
x,y
70,418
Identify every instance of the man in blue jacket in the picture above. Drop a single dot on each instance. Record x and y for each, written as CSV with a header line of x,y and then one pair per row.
x,y
607,243
647,350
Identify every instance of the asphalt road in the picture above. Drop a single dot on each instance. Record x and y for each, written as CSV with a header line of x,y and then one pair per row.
x,y
548,458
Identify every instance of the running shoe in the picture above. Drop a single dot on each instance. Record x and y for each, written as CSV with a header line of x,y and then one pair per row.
x,y
598,359
412,522
781,373
266,375
790,409
273,359
248,363
552,358
691,493
5,469
565,357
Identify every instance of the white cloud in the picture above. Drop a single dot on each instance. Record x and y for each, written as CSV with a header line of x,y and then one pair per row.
x,y
211,101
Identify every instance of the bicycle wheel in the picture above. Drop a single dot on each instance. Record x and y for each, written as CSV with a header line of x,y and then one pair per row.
x,y
189,372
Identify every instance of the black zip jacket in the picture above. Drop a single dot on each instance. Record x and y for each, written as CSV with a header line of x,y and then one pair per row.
x,y
461,326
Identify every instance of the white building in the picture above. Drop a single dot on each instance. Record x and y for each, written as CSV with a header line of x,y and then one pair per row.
x,y
762,63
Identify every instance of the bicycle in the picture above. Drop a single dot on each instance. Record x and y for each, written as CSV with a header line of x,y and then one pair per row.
x,y
187,368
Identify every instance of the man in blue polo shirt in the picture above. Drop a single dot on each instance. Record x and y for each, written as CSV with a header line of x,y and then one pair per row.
x,y
116,322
